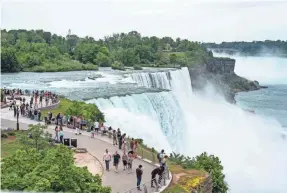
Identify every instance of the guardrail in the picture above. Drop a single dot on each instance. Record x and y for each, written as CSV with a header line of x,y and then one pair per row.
x,y
146,186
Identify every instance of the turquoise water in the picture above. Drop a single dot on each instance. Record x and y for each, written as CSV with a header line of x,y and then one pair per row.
x,y
269,71
270,102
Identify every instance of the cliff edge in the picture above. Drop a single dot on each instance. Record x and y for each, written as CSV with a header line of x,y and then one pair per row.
x,y
220,72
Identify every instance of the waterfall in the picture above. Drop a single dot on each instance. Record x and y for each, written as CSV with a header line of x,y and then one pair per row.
x,y
158,115
250,147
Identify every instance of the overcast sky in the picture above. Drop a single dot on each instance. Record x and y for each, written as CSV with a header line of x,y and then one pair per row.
x,y
198,20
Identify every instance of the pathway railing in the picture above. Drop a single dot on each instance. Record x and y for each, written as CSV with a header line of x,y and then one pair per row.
x,y
146,186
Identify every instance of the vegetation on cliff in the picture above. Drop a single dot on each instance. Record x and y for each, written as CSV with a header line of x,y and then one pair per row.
x,y
37,50
255,48
41,167
189,179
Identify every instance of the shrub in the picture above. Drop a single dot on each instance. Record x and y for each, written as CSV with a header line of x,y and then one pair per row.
x,y
12,133
209,163
118,66
137,67
4,135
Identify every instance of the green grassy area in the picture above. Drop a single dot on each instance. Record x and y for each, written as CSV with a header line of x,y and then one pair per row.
x,y
64,105
10,145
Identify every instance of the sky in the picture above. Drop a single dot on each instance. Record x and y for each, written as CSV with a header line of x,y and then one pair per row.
x,y
196,20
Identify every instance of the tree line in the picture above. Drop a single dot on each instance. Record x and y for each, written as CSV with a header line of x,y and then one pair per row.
x,y
255,48
38,50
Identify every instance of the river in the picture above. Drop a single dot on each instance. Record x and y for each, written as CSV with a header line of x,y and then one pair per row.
x,y
160,107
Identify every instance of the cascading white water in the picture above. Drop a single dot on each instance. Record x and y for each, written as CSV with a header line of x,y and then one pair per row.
x,y
252,151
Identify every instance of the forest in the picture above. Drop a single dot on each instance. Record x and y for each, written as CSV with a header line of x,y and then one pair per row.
x,y
41,51
255,48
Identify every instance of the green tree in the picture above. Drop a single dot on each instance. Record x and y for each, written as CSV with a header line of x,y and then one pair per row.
x,y
209,163
49,171
37,137
102,60
173,58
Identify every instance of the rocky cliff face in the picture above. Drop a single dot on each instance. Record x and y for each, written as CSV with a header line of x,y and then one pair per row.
x,y
220,72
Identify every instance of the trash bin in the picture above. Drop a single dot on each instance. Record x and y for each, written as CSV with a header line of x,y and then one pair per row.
x,y
74,142
67,141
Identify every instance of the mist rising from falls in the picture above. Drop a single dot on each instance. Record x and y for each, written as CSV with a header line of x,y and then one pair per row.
x,y
252,151
266,70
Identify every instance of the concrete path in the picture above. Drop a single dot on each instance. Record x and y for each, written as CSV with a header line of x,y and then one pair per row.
x,y
119,182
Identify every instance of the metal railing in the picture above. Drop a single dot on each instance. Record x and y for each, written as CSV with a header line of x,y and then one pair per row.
x,y
157,183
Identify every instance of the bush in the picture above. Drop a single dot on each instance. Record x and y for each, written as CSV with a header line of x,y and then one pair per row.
x,y
4,135
47,171
209,163
89,112
137,67
118,66
12,133
90,66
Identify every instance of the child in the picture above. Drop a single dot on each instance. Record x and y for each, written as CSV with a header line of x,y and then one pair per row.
x,y
130,163
125,159
92,132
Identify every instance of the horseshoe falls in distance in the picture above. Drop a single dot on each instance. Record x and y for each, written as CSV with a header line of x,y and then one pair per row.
x,y
251,147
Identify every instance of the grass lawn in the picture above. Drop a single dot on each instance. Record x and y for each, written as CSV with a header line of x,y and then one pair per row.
x,y
10,145
64,105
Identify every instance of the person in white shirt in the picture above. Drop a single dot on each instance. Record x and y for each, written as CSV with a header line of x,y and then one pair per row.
x,y
96,124
107,158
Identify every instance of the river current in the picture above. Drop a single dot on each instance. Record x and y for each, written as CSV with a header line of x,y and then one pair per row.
x,y
160,107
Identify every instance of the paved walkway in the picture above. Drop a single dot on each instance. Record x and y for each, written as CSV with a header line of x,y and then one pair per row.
x,y
119,182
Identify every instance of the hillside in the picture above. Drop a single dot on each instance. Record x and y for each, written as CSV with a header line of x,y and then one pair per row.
x,y
255,48
40,51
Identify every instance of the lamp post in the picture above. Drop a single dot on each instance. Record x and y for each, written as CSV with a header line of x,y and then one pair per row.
x,y
17,114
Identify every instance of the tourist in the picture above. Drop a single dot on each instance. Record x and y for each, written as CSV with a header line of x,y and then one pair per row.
x,y
92,132
139,173
57,118
77,130
125,160
119,134
132,143
39,115
114,138
119,138
46,100
96,124
40,100
15,110
57,133
130,163
156,171
107,159
31,101
160,156
135,148
117,158
61,136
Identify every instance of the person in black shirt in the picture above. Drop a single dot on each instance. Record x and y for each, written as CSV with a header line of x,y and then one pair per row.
x,y
117,158
139,173
156,171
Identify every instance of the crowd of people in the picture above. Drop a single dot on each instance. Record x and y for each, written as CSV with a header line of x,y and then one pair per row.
x,y
128,147
30,108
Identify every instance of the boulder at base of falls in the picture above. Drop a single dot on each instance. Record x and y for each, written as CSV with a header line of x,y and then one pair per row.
x,y
220,73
